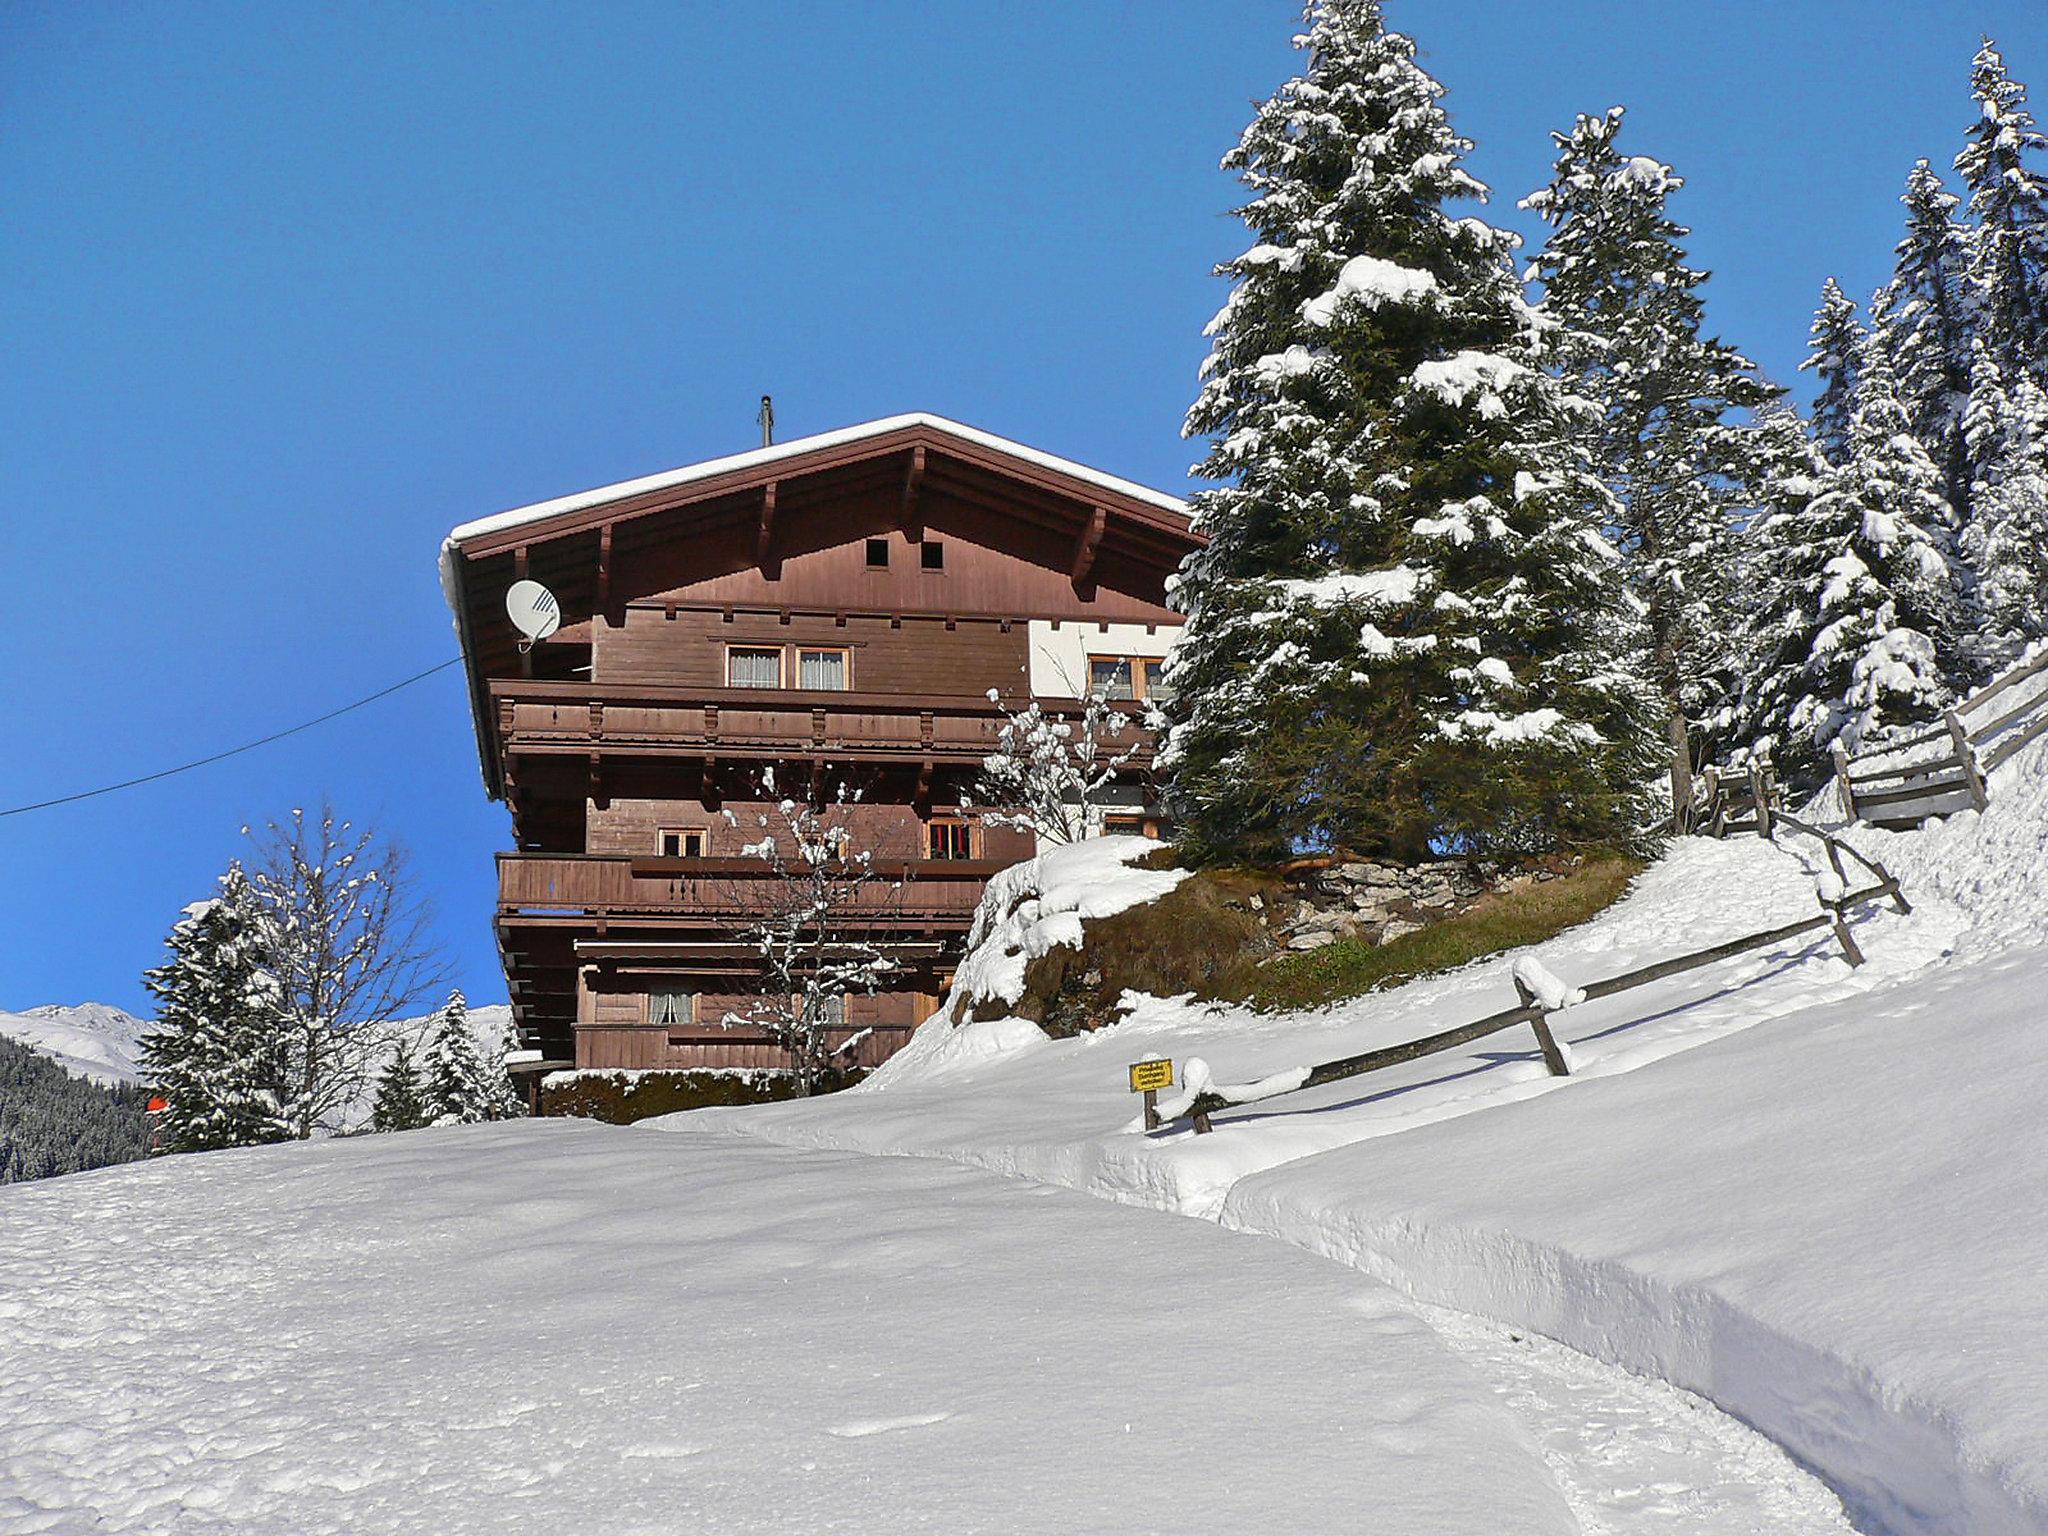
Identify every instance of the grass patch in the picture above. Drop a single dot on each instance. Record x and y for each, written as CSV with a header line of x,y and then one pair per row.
x,y
1506,920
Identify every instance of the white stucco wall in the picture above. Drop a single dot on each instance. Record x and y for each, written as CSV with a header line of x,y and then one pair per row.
x,y
1060,651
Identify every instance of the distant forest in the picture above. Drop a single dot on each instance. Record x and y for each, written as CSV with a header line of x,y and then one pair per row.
x,y
52,1122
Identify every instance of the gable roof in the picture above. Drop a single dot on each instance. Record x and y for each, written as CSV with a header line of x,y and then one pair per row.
x,y
541,512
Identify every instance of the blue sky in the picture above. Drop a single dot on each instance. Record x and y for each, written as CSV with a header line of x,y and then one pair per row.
x,y
286,290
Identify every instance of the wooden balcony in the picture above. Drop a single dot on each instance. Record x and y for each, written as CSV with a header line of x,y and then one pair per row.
x,y
559,889
575,719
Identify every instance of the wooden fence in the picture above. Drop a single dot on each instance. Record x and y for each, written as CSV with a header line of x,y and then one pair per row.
x,y
1199,1101
1972,740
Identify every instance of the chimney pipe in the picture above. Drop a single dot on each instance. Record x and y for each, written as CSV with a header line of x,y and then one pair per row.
x,y
767,420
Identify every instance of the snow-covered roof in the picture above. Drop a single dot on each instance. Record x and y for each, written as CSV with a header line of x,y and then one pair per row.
x,y
757,458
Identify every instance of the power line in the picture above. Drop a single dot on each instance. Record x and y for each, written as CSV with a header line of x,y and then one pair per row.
x,y
247,746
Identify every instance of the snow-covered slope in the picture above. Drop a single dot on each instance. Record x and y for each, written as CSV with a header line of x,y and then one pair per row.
x,y
554,1326
94,1040
1813,1195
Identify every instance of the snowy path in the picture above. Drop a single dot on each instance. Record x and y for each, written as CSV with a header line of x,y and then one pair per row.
x,y
1635,1456
559,1327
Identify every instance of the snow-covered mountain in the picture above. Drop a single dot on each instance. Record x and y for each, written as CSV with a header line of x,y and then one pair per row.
x,y
95,1040
99,1041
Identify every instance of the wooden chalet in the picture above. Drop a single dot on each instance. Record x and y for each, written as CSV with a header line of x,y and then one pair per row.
x,y
837,607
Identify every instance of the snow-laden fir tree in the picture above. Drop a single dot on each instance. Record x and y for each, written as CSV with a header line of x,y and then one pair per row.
x,y
1882,603
1779,570
2006,541
215,1052
2008,201
1667,436
401,1103
461,1089
1406,632
1834,355
1923,319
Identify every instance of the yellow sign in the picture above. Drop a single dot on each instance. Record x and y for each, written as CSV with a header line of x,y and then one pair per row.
x,y
1146,1076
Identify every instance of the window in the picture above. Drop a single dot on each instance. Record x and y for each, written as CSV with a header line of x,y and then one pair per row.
x,y
878,554
950,840
671,1007
831,1010
931,554
823,668
1130,826
753,666
1112,677
1128,677
682,842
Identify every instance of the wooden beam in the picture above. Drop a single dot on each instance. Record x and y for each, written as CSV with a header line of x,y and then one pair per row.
x,y
1084,552
912,518
604,568
764,537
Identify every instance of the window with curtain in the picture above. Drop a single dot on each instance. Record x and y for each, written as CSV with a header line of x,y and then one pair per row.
x,y
669,1006
950,840
753,666
821,669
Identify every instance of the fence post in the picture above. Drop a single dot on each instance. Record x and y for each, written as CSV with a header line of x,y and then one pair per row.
x,y
1842,783
1553,1058
1760,793
1967,756
1202,1125
1842,935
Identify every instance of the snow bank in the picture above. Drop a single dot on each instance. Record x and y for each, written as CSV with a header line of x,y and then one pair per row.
x,y
1032,908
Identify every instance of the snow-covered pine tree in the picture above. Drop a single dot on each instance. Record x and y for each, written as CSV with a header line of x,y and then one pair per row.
x,y
1666,439
2008,201
1405,632
459,1090
215,1051
1924,317
1779,570
1834,355
1883,601
401,1103
2006,542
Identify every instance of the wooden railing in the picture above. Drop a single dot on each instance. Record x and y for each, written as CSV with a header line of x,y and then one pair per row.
x,y
760,722
1201,1098
1974,739
630,885
1736,801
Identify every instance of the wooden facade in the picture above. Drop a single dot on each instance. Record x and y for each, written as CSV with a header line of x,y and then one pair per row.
x,y
837,609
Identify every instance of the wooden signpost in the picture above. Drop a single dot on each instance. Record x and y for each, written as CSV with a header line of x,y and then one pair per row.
x,y
1148,1077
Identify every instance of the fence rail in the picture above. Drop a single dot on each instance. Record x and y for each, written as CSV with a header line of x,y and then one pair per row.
x,y
1901,795
1200,1098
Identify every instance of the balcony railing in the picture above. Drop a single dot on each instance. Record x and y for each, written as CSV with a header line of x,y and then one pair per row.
x,y
758,722
542,885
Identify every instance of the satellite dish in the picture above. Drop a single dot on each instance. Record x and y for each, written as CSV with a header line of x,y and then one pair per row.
x,y
533,611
